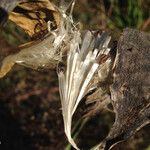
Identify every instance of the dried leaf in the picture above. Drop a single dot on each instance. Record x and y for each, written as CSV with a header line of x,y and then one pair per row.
x,y
130,91
33,17
46,52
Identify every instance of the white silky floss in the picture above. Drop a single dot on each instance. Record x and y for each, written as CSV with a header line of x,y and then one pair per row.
x,y
81,66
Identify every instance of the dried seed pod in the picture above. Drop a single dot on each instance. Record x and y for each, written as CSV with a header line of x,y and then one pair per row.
x,y
44,53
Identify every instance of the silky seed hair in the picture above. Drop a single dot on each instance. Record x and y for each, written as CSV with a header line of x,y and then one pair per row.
x,y
81,66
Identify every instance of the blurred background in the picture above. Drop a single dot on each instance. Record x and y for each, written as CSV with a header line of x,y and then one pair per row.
x,y
30,111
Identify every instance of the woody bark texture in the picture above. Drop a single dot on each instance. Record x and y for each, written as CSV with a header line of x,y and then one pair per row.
x,y
130,91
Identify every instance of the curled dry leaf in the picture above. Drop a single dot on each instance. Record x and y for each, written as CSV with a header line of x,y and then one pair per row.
x,y
33,17
46,52
130,91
